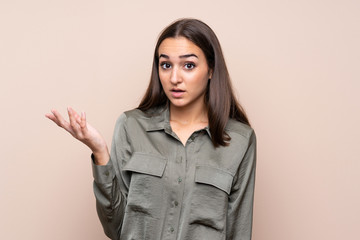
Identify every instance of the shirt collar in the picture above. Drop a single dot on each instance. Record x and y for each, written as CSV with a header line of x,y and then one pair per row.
x,y
160,120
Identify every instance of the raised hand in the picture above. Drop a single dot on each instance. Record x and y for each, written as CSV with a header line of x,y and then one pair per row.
x,y
84,132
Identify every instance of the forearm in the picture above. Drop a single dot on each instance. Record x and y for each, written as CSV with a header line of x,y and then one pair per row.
x,y
101,157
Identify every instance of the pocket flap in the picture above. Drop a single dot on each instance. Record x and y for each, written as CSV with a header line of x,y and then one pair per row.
x,y
215,177
147,164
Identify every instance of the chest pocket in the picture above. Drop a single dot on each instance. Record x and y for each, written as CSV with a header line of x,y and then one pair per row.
x,y
210,197
146,187
146,164
215,177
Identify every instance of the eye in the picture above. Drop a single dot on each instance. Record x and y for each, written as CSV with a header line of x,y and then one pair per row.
x,y
189,65
165,65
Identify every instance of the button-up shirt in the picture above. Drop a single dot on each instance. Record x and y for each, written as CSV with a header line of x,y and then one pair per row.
x,y
154,187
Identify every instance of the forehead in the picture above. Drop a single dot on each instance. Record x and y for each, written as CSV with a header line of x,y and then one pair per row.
x,y
178,46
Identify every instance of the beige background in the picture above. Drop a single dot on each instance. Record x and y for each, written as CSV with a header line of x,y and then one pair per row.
x,y
294,64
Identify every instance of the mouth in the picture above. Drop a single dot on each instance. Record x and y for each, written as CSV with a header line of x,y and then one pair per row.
x,y
176,92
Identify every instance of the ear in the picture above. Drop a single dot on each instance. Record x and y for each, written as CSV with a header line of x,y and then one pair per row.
x,y
210,73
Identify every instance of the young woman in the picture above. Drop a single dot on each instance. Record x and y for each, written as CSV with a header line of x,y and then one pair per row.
x,y
182,165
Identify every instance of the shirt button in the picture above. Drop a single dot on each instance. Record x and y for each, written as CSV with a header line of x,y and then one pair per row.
x,y
176,203
107,173
172,229
179,180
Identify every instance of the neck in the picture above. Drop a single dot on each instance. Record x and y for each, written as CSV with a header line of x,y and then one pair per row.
x,y
189,115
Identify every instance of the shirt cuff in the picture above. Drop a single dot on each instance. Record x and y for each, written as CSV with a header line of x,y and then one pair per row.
x,y
102,173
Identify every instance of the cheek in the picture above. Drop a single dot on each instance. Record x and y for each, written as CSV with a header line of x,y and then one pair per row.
x,y
161,78
200,81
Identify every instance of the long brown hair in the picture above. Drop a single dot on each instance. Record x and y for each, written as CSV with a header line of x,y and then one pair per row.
x,y
220,99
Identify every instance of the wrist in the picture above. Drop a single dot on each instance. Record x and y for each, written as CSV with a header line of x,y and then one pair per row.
x,y
101,157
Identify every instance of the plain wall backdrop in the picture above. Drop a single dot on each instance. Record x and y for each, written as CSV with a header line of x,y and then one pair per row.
x,y
295,68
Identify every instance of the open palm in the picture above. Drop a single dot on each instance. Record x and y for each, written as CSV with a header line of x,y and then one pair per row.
x,y
83,131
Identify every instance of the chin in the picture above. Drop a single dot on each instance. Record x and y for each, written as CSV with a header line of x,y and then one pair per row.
x,y
177,103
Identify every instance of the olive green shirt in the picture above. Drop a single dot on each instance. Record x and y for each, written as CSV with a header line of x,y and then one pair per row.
x,y
155,188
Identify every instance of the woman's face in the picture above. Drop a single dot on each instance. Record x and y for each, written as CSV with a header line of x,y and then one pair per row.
x,y
183,72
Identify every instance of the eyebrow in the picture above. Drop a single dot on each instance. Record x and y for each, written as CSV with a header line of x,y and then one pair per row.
x,y
181,56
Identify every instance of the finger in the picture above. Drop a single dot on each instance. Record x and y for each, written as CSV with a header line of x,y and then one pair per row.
x,y
78,118
83,121
73,113
73,123
57,118
83,125
53,118
60,121
50,116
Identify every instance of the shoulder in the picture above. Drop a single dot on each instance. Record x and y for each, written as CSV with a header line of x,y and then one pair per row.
x,y
139,114
240,133
135,118
242,143
130,115
235,127
134,114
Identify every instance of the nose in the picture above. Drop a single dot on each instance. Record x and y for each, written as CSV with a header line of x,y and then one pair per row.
x,y
175,76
